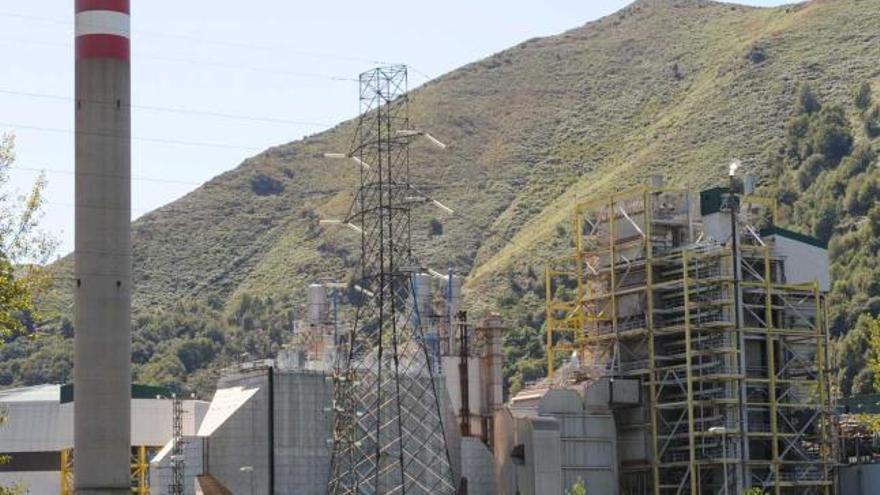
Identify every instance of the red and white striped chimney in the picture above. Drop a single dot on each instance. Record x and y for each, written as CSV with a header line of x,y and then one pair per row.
x,y
102,345
103,29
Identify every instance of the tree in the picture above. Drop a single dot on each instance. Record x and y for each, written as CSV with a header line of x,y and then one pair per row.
x,y
831,135
22,250
873,325
754,491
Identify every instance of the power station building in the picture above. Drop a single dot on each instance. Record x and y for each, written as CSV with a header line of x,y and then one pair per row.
x,y
687,354
269,427
718,314
38,437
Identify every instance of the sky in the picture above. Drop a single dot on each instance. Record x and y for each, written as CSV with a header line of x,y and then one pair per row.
x,y
217,81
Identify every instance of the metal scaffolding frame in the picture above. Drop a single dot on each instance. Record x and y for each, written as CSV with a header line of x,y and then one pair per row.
x,y
66,471
732,358
140,470
388,433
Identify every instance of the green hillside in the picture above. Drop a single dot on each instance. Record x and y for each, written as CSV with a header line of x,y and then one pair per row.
x,y
675,87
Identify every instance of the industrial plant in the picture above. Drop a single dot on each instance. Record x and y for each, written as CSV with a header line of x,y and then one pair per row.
x,y
685,330
687,354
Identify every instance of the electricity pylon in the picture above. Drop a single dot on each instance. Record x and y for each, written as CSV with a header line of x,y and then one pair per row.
x,y
388,433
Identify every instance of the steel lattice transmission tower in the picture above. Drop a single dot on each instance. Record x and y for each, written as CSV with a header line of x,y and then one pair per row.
x,y
177,453
388,433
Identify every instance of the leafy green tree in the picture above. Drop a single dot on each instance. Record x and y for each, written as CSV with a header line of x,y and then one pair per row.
x,y
754,491
873,328
869,328
831,135
195,353
859,357
165,371
22,250
829,187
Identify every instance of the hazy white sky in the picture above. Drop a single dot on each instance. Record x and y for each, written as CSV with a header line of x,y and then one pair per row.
x,y
269,59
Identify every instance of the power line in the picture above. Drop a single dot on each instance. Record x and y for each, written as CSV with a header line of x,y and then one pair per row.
x,y
204,113
169,208
84,174
201,62
462,184
134,138
248,46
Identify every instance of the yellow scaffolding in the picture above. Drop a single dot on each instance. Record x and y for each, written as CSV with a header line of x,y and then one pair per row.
x,y
718,339
67,472
140,471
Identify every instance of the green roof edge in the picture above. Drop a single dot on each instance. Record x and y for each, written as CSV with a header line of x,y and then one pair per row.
x,y
797,236
138,391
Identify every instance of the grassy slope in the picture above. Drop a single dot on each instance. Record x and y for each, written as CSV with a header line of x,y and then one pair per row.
x,y
726,106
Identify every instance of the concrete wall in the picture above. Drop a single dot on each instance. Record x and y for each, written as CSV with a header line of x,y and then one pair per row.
x,y
543,456
302,428
717,226
478,466
161,473
35,427
862,479
540,471
588,437
804,263
243,440
41,426
504,441
238,434
565,435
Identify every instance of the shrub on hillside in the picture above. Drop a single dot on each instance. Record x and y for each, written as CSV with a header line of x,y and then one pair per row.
x,y
831,135
862,96
810,170
872,122
861,195
807,103
263,185
797,146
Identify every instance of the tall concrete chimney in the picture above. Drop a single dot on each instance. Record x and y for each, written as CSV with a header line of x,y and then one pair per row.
x,y
102,360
